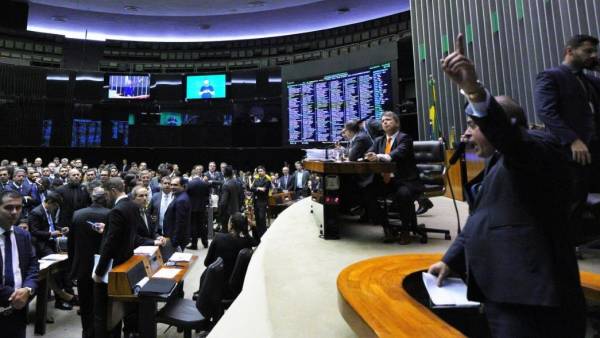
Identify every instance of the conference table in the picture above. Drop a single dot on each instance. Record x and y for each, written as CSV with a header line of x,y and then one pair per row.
x,y
377,299
325,203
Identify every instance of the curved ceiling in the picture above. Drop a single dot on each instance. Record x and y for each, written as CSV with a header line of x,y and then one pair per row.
x,y
193,20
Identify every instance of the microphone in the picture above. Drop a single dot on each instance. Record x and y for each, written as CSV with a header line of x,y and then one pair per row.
x,y
460,150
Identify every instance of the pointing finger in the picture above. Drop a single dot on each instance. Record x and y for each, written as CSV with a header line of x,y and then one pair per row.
x,y
459,44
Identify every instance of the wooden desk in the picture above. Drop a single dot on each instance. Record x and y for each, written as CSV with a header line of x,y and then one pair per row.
x,y
41,304
146,305
324,205
372,301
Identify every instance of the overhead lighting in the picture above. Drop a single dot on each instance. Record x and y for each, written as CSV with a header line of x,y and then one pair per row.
x,y
59,18
256,3
131,8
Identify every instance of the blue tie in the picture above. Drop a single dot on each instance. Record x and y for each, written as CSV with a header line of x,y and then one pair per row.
x,y
9,277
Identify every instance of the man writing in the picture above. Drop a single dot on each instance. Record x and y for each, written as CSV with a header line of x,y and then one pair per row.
x,y
512,246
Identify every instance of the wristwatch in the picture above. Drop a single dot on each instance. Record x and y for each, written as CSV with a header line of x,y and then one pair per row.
x,y
30,290
477,95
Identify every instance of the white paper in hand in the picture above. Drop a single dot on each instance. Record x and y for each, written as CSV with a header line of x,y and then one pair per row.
x,y
105,277
452,292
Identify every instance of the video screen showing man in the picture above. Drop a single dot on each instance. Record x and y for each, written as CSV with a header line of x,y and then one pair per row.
x,y
207,91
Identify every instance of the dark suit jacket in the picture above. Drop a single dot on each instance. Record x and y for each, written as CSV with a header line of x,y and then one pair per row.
x,y
25,190
86,240
261,197
215,179
227,246
145,232
232,197
286,184
40,231
513,245
562,104
27,263
404,156
178,218
74,198
199,192
359,146
305,177
118,240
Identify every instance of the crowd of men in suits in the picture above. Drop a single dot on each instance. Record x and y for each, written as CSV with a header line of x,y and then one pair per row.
x,y
66,206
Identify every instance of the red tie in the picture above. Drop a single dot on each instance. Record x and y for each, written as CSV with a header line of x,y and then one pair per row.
x,y
387,177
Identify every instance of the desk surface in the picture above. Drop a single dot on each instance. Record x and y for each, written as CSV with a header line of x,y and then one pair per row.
x,y
372,301
349,167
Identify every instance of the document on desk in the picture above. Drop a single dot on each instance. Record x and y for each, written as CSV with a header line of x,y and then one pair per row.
x,y
110,263
181,257
166,273
147,250
452,292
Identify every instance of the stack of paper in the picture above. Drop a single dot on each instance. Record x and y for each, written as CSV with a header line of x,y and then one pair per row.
x,y
145,250
166,273
452,292
181,257
316,154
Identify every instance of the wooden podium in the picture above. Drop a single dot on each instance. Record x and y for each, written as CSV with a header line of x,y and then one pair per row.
x,y
374,301
324,205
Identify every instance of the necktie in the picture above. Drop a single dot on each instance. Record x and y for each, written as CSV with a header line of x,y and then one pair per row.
x,y
50,221
9,277
143,215
387,177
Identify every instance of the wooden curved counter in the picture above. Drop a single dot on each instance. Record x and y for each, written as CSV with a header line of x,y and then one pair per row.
x,y
373,302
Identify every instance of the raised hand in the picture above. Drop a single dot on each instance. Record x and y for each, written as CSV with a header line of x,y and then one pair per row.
x,y
460,68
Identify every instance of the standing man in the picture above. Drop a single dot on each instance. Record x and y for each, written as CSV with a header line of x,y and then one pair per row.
x,y
159,204
394,146
568,102
199,192
260,189
87,238
118,243
300,179
25,190
231,199
512,250
19,269
286,183
178,216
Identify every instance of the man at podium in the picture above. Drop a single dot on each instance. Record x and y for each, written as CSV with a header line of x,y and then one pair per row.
x,y
513,250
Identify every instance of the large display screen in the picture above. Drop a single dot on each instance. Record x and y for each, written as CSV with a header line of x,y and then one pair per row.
x,y
170,119
205,86
86,133
128,86
319,108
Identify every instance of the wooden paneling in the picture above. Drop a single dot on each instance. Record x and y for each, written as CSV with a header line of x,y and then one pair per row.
x,y
349,167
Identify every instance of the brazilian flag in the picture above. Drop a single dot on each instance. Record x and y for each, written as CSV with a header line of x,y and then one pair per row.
x,y
434,128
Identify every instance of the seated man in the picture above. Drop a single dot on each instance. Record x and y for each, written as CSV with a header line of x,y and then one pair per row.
x,y
404,184
45,231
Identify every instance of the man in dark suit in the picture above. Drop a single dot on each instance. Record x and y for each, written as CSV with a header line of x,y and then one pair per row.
x,y
159,203
568,102
260,190
25,190
358,141
118,243
395,146
286,182
300,181
19,270
199,193
215,177
231,199
512,246
87,228
145,228
178,216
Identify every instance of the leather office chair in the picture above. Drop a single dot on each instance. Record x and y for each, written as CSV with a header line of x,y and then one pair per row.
x,y
431,165
236,280
203,313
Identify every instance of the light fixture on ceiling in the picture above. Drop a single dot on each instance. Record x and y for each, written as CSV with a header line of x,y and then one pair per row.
x,y
256,3
343,10
131,8
59,18
204,26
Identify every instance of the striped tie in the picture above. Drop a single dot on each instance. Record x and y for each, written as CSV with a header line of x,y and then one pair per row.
x,y
387,177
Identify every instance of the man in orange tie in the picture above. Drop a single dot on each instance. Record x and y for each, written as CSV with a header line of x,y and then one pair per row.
x,y
404,184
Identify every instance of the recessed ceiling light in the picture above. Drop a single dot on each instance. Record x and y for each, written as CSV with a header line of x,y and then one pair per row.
x,y
256,3
204,26
59,18
343,10
131,8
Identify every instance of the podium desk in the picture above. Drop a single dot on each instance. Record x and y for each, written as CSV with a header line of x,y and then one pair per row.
x,y
373,301
41,304
325,202
146,306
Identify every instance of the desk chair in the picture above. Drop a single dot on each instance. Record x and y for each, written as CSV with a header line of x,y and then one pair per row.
x,y
431,165
236,280
203,313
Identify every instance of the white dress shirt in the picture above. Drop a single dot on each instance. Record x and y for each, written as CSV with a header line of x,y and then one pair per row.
x,y
15,257
165,200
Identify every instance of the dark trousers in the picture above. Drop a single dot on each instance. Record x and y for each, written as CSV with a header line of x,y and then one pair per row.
x,y
260,216
514,321
85,289
101,312
14,325
585,179
199,228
